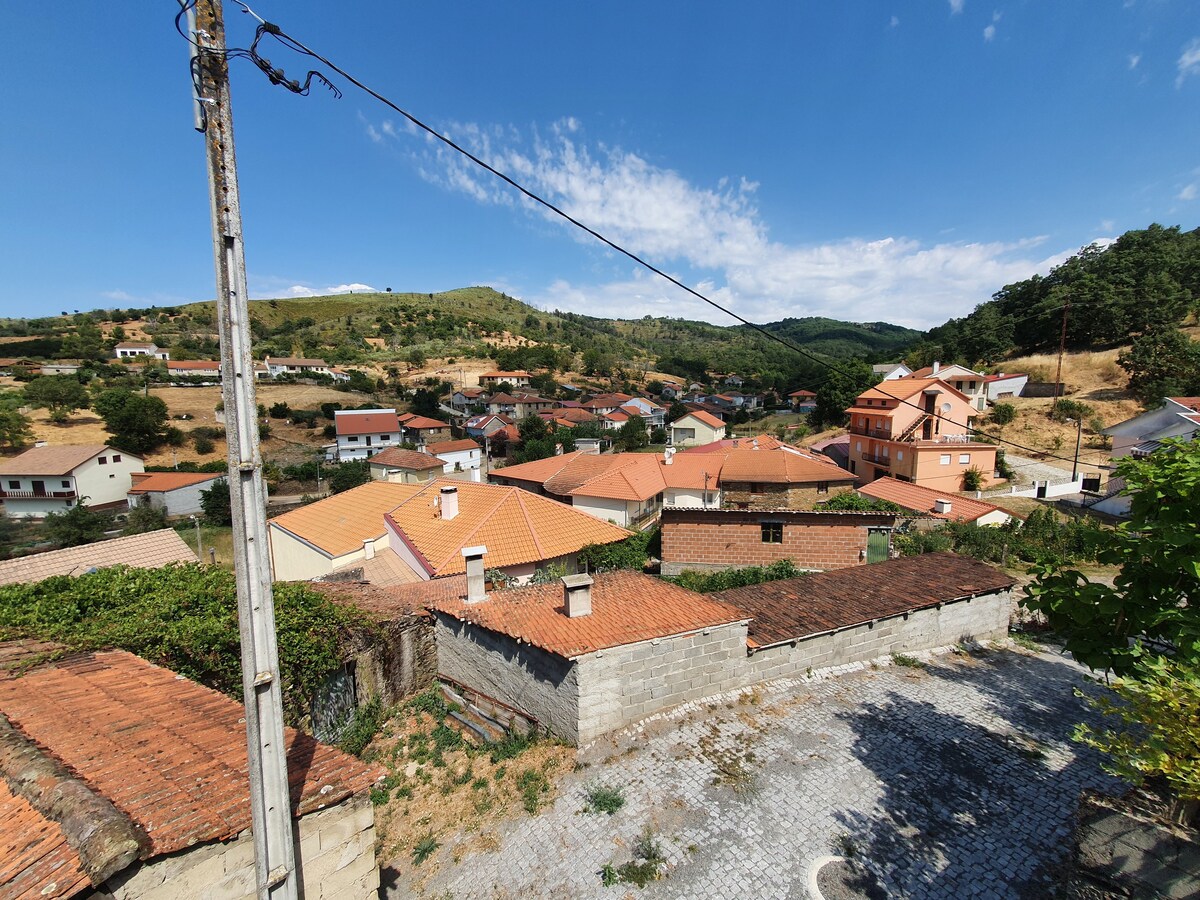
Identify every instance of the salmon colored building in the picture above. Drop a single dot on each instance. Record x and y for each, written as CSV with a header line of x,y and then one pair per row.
x,y
915,429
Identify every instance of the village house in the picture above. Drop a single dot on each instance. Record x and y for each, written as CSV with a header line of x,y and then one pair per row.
x,y
297,366
50,479
518,406
149,550
484,426
606,403
967,382
175,493
402,466
133,349
1176,417
422,429
466,398
403,533
753,478
916,429
124,780
696,428
62,367
891,371
361,433
515,379
803,401
194,368
1004,387
936,506
458,456
716,539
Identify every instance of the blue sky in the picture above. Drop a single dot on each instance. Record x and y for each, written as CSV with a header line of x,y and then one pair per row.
x,y
894,161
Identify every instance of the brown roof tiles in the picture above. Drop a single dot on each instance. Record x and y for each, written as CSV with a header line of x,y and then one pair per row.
x,y
150,550
407,459
60,460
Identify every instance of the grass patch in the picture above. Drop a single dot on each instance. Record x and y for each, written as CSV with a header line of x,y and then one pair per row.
x,y
908,662
646,866
603,799
1024,640
532,784
363,727
424,848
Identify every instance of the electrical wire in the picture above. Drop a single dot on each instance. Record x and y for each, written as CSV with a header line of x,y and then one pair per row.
x,y
299,47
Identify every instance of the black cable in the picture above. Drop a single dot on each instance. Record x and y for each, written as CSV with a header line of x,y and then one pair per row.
x,y
292,43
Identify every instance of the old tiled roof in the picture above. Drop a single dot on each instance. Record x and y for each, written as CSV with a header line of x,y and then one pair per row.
x,y
802,393
763,441
406,459
922,499
452,446
627,607
826,601
167,752
206,365
503,375
140,551
702,417
170,481
694,471
384,603
542,471
59,460
384,569
616,476
516,526
1192,403
296,361
382,421
779,467
421,423
339,524
36,860
900,389
574,414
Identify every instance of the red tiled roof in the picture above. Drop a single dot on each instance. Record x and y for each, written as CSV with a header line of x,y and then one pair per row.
x,y
168,753
761,441
367,422
825,601
703,417
296,361
452,446
627,607
802,394
144,483
779,467
59,460
922,499
422,423
339,524
1192,403
140,551
406,459
503,375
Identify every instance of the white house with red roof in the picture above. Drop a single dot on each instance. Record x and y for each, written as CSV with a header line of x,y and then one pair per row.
x,y
53,479
697,427
361,433
176,493
134,349
463,455
516,379
1004,386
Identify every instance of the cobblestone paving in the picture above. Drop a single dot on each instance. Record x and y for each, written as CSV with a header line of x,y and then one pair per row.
x,y
954,780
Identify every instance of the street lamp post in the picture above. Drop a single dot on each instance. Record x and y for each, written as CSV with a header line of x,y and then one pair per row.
x,y
1078,442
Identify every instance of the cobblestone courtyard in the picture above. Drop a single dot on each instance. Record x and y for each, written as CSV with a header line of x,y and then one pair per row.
x,y
955,779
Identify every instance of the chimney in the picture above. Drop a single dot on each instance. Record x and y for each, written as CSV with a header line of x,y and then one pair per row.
x,y
941,506
937,367
449,501
368,549
476,591
668,455
577,595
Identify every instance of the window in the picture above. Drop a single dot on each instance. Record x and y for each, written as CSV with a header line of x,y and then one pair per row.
x,y
772,532
858,446
899,454
964,459
353,439
822,487
14,485
945,460
66,483
103,460
385,437
116,457
755,487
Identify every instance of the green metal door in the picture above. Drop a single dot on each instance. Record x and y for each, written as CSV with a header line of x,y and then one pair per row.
x,y
879,541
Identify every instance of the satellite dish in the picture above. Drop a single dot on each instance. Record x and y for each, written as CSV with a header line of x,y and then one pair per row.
x,y
946,407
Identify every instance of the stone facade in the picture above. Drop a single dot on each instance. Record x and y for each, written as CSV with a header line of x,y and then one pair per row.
x,y
974,619
402,661
336,860
719,539
744,495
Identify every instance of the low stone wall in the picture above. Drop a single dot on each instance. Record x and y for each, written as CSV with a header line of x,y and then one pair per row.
x,y
337,860
976,619
628,683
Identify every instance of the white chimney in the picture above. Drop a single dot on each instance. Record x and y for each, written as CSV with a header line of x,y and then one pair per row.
x,y
449,498
937,367
476,590
577,595
369,549
941,506
668,455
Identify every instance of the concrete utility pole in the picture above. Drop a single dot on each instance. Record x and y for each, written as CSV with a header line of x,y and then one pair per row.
x,y
270,804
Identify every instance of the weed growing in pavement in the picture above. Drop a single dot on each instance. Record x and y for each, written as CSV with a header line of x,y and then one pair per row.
x,y
646,866
603,799
532,784
1023,640
908,662
424,848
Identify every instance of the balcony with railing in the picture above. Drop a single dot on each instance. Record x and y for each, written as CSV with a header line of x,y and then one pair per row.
x,y
877,460
37,495
879,434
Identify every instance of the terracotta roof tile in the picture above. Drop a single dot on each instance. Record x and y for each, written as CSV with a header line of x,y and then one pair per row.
x,y
779,467
503,375
422,423
170,754
139,551
627,607
922,499
170,481
58,460
204,365
339,524
296,361
451,446
406,459
516,526
824,601
374,421
36,862
704,418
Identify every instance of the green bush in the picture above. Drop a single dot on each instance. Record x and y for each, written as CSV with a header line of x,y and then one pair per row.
x,y
710,582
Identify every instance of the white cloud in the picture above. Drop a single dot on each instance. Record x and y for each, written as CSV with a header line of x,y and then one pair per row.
x,y
895,21
1134,59
356,287
989,32
715,236
1189,61
1188,192
956,6
119,296
265,288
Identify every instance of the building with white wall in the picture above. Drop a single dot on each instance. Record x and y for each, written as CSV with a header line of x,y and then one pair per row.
x,y
175,493
134,349
52,479
361,433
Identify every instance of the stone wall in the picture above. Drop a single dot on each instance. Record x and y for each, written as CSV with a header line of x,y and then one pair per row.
x,y
718,539
540,684
401,661
628,683
778,496
977,619
336,860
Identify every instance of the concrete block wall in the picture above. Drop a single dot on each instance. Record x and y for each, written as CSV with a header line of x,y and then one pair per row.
x,y
978,619
538,683
336,860
719,542
628,683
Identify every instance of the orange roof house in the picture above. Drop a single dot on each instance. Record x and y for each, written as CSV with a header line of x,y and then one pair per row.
x,y
176,493
589,654
917,430
697,427
406,466
936,504
123,774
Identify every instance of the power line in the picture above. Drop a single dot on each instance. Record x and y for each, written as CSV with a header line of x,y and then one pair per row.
x,y
275,75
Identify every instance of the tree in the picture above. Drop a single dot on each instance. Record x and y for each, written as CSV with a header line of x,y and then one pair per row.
x,y
1152,600
632,435
14,429
425,403
216,503
349,475
143,518
677,411
60,394
1002,414
136,422
839,392
1162,363
532,428
75,526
